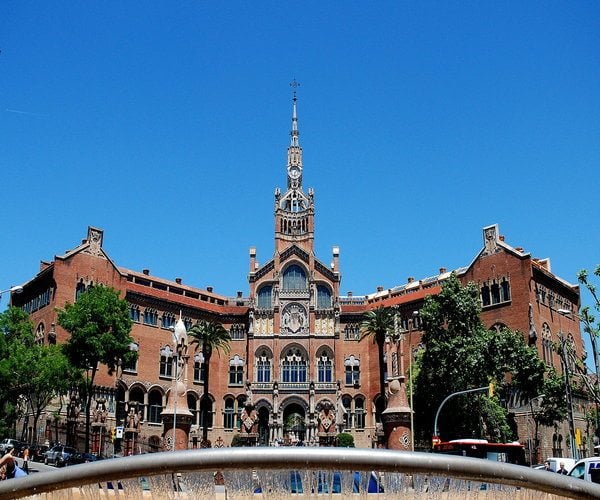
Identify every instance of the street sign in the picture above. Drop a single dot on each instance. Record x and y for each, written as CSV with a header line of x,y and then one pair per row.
x,y
119,433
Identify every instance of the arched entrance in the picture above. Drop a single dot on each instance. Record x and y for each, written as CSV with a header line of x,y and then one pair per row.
x,y
294,424
263,426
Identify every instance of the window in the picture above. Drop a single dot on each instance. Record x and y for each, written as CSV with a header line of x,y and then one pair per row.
x,y
547,345
324,368
150,317
294,279
136,400
166,362
485,295
229,414
168,320
263,367
293,367
352,331
155,407
323,297
206,412
352,368
79,289
199,367
192,401
237,332
347,404
131,366
359,413
134,313
236,371
504,290
496,291
265,297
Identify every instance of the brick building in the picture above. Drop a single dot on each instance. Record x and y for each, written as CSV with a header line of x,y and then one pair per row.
x,y
295,347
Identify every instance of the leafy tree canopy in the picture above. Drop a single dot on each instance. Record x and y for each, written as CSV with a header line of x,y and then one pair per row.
x,y
460,353
99,325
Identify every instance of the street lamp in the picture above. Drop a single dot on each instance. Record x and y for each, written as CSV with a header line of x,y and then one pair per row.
x,y
565,360
12,289
179,334
535,423
410,379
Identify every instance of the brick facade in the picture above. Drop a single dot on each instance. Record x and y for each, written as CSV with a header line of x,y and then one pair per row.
x,y
295,350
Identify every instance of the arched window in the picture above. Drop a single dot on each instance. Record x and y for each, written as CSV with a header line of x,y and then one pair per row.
x,y
324,367
79,289
352,369
134,313
168,320
192,401
229,413
294,279
485,295
136,398
206,412
359,413
293,368
154,406
199,368
236,371
150,317
547,345
263,367
347,404
166,362
40,333
323,297
265,297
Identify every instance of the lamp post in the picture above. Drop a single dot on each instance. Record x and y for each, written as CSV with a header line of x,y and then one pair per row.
x,y
410,379
12,289
565,359
535,436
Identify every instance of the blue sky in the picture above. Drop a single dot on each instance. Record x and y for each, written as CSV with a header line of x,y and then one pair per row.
x,y
166,124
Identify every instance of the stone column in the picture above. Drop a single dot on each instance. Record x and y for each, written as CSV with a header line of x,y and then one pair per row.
x,y
396,417
176,417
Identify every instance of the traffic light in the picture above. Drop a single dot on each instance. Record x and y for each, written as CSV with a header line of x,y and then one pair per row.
x,y
491,390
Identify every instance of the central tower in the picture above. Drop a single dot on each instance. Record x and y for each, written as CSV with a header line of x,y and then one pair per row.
x,y
294,210
294,314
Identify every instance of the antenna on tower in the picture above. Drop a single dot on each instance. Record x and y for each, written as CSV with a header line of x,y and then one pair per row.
x,y
294,84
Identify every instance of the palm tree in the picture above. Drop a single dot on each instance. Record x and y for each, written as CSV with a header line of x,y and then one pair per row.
x,y
378,323
209,336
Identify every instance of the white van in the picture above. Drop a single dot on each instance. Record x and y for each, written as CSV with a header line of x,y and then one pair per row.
x,y
587,469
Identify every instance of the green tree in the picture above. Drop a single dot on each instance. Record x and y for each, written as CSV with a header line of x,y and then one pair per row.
x,y
16,328
592,328
33,374
378,324
100,328
209,336
460,353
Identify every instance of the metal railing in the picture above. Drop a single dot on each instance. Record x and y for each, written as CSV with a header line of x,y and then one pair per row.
x,y
298,458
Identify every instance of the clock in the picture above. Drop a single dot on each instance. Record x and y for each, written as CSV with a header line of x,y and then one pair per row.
x,y
294,172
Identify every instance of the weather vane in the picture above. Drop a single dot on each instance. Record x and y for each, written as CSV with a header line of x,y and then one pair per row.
x,y
294,84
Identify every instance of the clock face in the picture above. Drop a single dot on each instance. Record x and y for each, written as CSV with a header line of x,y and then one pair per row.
x,y
294,172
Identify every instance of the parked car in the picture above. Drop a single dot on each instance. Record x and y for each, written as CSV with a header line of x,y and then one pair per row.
x,y
58,455
81,458
37,452
8,444
587,469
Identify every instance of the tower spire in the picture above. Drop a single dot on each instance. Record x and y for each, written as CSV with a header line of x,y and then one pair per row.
x,y
294,133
